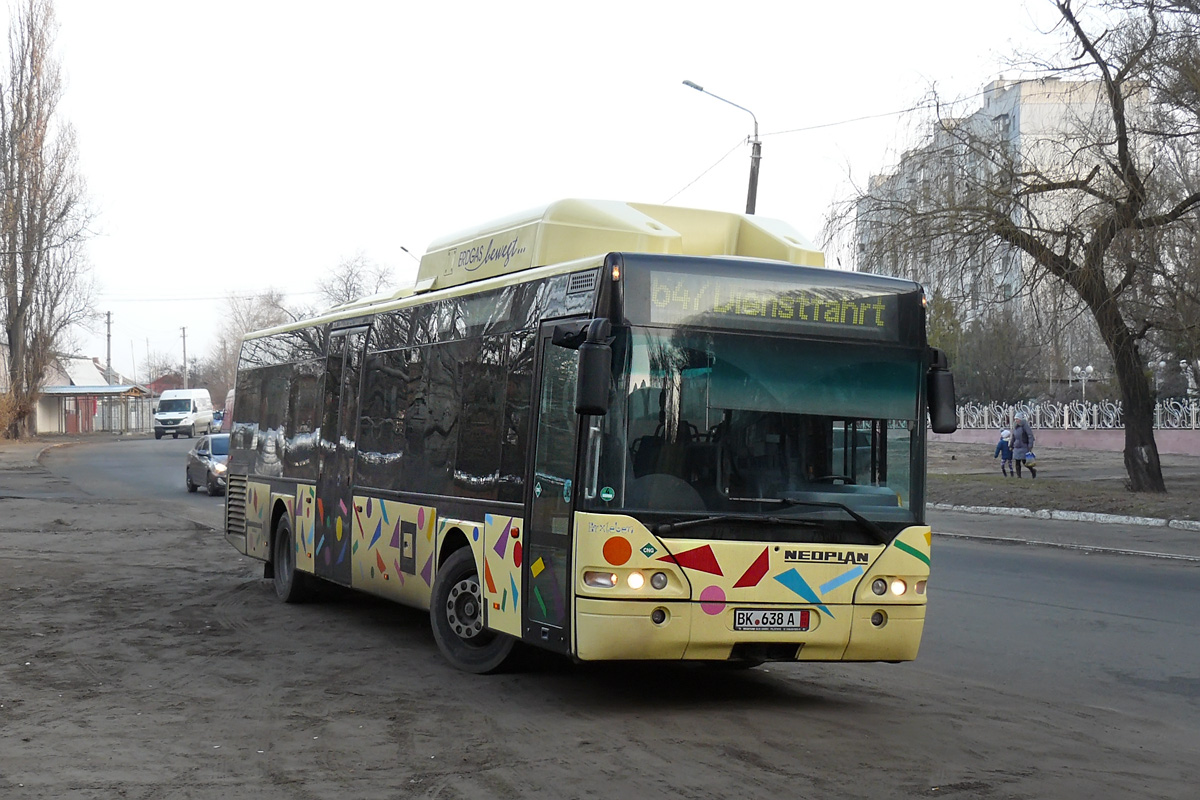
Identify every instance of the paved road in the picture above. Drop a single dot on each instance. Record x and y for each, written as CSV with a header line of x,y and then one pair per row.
x,y
145,657
136,469
1073,629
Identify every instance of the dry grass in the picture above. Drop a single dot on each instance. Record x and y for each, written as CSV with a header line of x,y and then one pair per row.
x,y
1068,480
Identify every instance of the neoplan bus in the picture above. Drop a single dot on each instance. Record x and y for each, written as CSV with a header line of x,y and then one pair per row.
x,y
609,430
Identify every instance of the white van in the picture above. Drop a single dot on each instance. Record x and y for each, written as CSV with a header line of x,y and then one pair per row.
x,y
187,411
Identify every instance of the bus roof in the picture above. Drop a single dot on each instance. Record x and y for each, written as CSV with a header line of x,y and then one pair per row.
x,y
568,230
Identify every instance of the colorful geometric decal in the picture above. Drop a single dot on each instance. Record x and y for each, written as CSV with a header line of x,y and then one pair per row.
x,y
841,580
427,571
487,576
712,600
755,572
702,559
502,555
501,547
648,550
617,551
912,551
792,580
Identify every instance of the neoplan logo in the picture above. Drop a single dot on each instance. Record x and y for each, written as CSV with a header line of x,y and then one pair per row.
x,y
826,556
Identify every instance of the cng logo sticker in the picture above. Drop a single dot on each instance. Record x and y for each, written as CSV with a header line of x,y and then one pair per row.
x,y
537,489
648,550
607,494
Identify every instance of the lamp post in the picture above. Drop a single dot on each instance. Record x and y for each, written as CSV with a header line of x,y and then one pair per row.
x,y
1083,373
755,148
1157,367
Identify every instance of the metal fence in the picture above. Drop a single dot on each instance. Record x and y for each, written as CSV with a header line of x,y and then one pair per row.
x,y
1172,414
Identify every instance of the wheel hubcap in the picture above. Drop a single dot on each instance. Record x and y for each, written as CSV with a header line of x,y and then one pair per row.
x,y
463,608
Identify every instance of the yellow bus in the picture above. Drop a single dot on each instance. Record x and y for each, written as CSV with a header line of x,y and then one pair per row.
x,y
609,430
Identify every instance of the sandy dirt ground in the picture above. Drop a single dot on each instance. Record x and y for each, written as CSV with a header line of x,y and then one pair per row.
x,y
141,657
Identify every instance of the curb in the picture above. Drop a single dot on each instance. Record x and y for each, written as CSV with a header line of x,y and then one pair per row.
x,y
1086,548
1072,516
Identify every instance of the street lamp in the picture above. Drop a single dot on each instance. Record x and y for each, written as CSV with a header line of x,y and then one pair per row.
x,y
1157,367
1083,373
755,149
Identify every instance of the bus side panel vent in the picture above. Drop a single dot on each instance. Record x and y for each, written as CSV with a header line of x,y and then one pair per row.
x,y
235,505
581,282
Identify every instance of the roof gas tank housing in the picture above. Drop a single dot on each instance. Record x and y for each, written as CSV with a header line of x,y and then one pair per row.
x,y
569,230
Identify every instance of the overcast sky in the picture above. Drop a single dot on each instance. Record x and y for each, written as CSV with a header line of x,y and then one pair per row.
x,y
231,147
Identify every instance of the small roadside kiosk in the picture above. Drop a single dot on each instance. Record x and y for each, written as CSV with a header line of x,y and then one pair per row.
x,y
94,409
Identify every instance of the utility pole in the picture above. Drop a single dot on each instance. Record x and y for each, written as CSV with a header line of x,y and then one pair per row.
x,y
185,375
108,374
108,356
755,147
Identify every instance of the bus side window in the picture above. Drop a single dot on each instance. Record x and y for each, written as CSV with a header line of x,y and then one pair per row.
x,y
477,462
514,445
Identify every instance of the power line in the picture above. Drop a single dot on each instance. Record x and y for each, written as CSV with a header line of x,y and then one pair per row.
x,y
897,113
189,298
710,169
923,105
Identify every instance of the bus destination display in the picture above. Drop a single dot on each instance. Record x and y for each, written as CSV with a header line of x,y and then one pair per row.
x,y
680,298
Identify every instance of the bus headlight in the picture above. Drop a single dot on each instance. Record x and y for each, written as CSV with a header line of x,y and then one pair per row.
x,y
899,587
636,580
879,586
600,580
659,580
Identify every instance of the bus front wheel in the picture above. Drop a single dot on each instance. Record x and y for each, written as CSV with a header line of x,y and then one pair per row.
x,y
290,586
456,612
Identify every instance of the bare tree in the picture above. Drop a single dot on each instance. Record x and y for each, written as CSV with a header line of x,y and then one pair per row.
x,y
43,219
242,315
1072,215
353,279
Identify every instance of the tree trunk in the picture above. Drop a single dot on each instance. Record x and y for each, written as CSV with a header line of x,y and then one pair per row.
x,y
1141,451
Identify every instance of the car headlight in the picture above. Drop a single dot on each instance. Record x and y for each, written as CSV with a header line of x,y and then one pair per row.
x,y
219,467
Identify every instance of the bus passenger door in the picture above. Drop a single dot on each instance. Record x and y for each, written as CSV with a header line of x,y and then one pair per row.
x,y
549,491
336,452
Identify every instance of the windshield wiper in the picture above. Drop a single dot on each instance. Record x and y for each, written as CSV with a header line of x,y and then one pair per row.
x,y
877,533
667,527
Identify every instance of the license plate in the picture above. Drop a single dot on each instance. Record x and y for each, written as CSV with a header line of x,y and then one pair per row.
x,y
768,619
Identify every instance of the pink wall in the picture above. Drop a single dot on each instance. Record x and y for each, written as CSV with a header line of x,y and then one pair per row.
x,y
1179,442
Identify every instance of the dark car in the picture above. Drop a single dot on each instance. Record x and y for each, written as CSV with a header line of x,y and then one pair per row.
x,y
206,464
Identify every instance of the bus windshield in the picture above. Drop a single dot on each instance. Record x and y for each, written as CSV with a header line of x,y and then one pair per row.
x,y
820,439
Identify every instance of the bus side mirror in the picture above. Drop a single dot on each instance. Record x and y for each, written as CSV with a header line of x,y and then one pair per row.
x,y
594,345
943,415
595,378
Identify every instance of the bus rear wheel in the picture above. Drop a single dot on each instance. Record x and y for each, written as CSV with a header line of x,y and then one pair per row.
x,y
456,613
290,586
